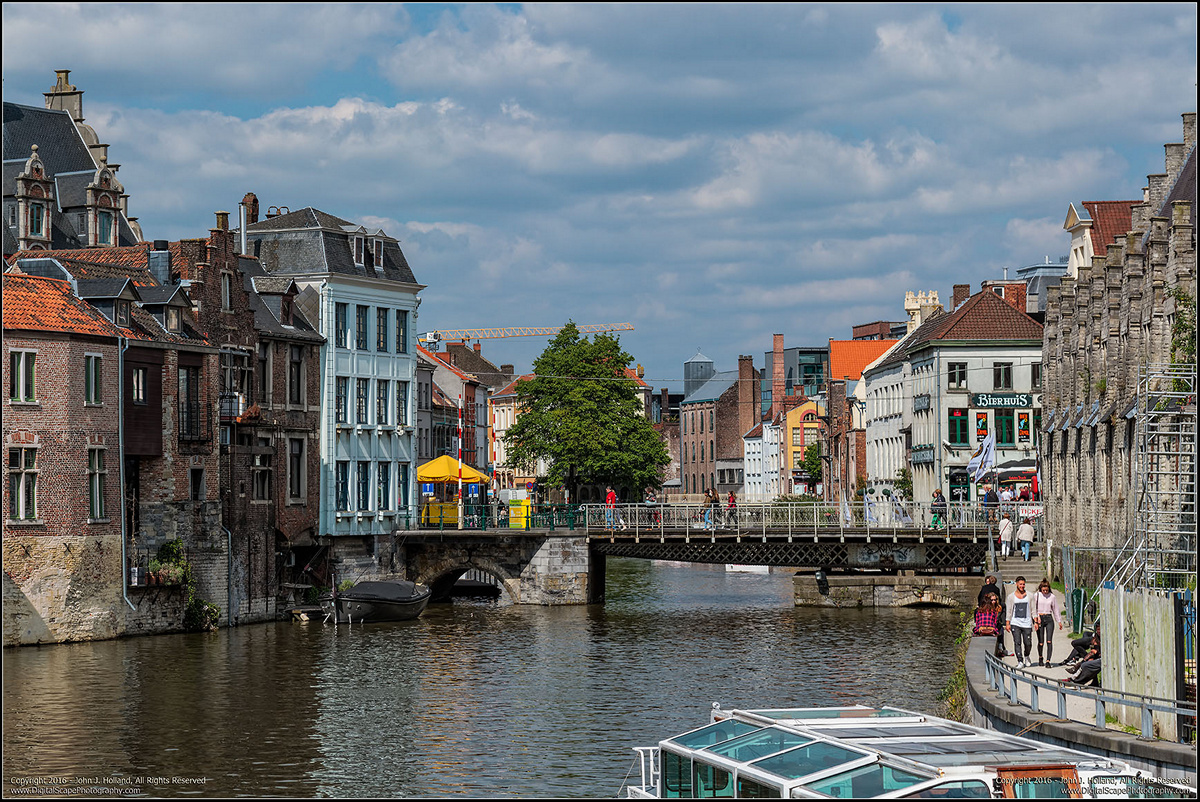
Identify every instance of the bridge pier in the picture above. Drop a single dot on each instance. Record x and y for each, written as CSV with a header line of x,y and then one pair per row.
x,y
813,589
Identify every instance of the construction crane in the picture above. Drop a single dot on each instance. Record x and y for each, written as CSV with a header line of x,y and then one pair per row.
x,y
434,337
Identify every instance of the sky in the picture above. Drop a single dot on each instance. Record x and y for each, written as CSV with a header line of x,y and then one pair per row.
x,y
712,174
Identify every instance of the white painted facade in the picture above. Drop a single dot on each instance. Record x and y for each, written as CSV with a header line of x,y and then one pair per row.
x,y
368,450
754,487
887,402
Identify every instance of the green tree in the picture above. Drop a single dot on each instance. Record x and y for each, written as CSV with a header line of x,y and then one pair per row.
x,y
582,414
812,464
903,483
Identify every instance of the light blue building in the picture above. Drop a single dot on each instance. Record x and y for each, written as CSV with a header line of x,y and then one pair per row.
x,y
357,285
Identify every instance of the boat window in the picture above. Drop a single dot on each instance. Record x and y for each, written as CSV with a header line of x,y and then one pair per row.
x,y
1042,788
805,760
711,782
759,744
714,734
866,781
971,746
966,789
750,789
676,775
832,712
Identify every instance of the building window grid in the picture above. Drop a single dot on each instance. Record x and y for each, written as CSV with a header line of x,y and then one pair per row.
x,y
360,327
96,474
381,329
341,400
342,486
1002,375
92,375
261,471
296,375
362,393
341,324
364,486
1005,423
137,386
401,403
382,407
383,482
401,331
956,375
22,383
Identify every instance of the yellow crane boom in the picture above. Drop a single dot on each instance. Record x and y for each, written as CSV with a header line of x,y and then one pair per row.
x,y
517,331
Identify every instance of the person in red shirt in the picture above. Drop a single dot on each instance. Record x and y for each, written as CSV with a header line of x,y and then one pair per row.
x,y
610,508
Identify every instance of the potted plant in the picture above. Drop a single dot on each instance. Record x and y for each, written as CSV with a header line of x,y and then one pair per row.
x,y
152,572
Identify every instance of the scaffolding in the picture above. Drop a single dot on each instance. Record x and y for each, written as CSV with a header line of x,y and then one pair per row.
x,y
1160,552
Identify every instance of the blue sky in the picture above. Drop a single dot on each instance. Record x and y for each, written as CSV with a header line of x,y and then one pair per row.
x,y
713,174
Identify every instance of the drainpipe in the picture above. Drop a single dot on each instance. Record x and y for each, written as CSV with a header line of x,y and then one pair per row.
x,y
228,577
124,344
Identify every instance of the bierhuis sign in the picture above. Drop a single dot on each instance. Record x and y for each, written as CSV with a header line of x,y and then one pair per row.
x,y
1002,400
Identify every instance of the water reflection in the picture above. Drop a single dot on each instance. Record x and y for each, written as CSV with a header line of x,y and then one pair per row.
x,y
473,699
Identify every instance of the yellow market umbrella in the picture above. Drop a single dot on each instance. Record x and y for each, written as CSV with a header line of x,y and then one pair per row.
x,y
445,469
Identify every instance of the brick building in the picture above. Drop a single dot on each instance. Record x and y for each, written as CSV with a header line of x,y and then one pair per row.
x,y
716,411
1113,317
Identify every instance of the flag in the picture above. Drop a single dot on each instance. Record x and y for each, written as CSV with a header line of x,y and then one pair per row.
x,y
1037,479
900,511
846,516
983,459
870,508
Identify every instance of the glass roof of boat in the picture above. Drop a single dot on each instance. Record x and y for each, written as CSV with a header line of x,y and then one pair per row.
x,y
866,781
916,730
805,760
754,745
714,733
857,712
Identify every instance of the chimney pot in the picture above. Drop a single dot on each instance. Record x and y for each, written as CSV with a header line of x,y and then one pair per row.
x,y
222,221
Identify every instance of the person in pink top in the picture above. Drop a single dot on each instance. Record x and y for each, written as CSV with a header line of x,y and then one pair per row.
x,y
1045,614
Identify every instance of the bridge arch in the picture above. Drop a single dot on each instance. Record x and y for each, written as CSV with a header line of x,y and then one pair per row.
x,y
440,575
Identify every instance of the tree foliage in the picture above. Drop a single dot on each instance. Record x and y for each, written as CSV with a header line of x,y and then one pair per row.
x,y
582,414
812,463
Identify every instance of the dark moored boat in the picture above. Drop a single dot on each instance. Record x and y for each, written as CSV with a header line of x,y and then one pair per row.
x,y
376,601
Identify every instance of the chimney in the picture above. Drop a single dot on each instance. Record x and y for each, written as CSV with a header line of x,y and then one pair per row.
x,y
64,97
961,293
777,376
478,346
508,370
1189,130
222,221
664,401
250,201
158,261
747,405
1014,294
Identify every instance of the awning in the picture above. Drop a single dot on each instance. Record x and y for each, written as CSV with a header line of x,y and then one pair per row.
x,y
1019,471
445,469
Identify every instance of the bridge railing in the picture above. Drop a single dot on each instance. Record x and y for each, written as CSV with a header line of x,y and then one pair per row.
x,y
792,517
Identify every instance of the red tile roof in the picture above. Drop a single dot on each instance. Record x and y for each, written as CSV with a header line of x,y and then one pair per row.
x,y
847,358
1110,219
33,303
986,316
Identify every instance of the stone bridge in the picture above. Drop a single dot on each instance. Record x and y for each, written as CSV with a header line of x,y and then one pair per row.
x,y
567,567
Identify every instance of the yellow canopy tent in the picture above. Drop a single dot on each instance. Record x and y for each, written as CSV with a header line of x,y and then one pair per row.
x,y
445,469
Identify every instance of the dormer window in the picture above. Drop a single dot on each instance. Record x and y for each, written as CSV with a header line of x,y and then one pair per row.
x,y
358,250
122,313
174,319
378,253
37,219
285,311
104,228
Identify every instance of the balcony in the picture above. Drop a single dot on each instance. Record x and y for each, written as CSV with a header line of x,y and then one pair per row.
x,y
232,405
195,423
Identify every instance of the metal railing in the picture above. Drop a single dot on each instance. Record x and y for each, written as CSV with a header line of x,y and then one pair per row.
x,y
1007,681
794,518
195,422
443,516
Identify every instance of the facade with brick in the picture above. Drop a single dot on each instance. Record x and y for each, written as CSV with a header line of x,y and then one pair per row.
x,y
1111,319
845,400
713,418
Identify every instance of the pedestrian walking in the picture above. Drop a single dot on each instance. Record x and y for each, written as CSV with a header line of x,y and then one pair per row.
x,y
652,503
992,588
610,508
991,503
1025,537
1020,622
1046,612
1006,535
938,507
731,511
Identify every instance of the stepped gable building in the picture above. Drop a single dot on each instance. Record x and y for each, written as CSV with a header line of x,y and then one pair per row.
x,y
60,190
1112,318
356,286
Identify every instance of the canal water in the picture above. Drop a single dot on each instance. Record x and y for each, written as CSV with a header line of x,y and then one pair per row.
x,y
474,699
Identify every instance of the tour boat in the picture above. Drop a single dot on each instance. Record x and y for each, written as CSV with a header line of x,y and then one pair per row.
x,y
376,601
871,752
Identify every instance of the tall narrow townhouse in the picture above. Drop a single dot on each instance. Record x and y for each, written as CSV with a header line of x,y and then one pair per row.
x,y
359,289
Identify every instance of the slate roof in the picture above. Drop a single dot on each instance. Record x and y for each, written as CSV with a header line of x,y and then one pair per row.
x,y
268,316
310,241
102,288
1110,219
714,388
847,358
67,160
34,303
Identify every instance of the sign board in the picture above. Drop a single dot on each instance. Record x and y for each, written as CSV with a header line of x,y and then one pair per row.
x,y
530,485
427,488
981,425
1002,400
1022,427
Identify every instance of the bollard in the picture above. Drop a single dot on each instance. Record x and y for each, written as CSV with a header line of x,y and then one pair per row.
x,y
1101,724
